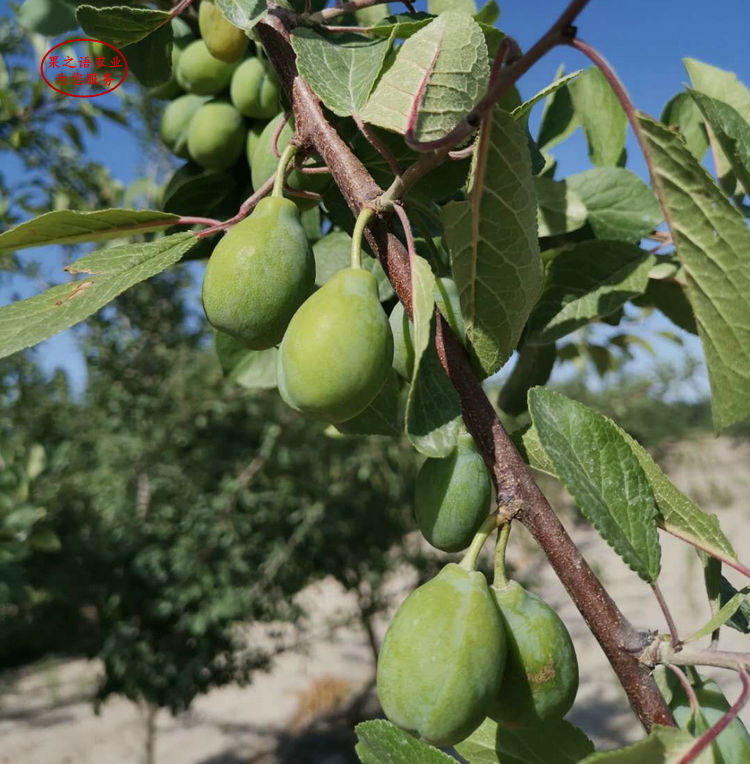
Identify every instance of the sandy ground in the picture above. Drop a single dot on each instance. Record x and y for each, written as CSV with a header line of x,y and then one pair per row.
x,y
46,717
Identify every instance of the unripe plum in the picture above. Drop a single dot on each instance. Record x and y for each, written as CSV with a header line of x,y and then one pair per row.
x,y
223,39
254,90
216,135
199,72
173,127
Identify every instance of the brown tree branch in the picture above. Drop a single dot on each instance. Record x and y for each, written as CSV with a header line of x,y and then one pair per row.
x,y
517,491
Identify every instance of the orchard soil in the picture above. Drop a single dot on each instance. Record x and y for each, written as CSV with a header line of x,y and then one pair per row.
x,y
303,710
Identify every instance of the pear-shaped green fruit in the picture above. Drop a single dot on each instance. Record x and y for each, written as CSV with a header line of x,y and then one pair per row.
x,y
443,656
447,300
253,136
336,353
200,73
265,161
452,496
259,274
541,674
223,39
173,127
182,36
254,90
216,135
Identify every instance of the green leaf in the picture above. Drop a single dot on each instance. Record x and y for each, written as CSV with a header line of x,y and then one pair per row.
x,y
601,116
598,467
553,741
47,17
71,227
433,408
381,742
560,81
669,297
740,620
150,59
731,131
45,540
560,207
194,191
620,205
733,743
558,118
681,112
438,76
244,14
722,615
712,241
489,13
591,280
341,70
493,245
120,25
253,369
381,417
664,745
436,7
724,86
109,273
401,25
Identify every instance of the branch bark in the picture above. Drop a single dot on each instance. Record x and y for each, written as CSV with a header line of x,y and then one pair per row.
x,y
517,491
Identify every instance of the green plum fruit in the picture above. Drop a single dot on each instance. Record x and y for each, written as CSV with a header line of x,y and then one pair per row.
x,y
254,90
447,300
443,656
173,127
216,135
337,350
223,39
253,136
452,496
259,274
182,36
265,161
200,73
541,674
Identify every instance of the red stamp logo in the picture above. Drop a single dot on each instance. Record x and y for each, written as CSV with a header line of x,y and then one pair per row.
x,y
84,68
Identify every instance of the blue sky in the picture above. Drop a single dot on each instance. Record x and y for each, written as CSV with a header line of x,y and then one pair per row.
x,y
644,40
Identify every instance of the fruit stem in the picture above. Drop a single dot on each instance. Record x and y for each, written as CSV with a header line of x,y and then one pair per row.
x,y
286,157
469,561
500,580
359,229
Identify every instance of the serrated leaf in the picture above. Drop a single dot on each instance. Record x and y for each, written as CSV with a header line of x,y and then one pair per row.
x,y
681,112
731,131
109,272
724,86
722,615
561,209
381,417
433,408
120,25
664,745
381,742
493,245
401,25
340,70
553,741
560,81
712,241
620,205
589,281
253,369
558,117
71,227
244,14
601,117
438,76
598,467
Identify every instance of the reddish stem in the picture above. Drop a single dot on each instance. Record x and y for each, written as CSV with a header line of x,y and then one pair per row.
x,y
277,135
377,144
242,213
676,641
198,221
408,234
302,194
710,735
179,8
686,686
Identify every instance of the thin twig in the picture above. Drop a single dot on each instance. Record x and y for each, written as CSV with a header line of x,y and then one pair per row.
x,y
711,734
352,7
302,194
408,234
686,686
377,144
461,153
277,135
242,213
179,8
667,615
198,221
